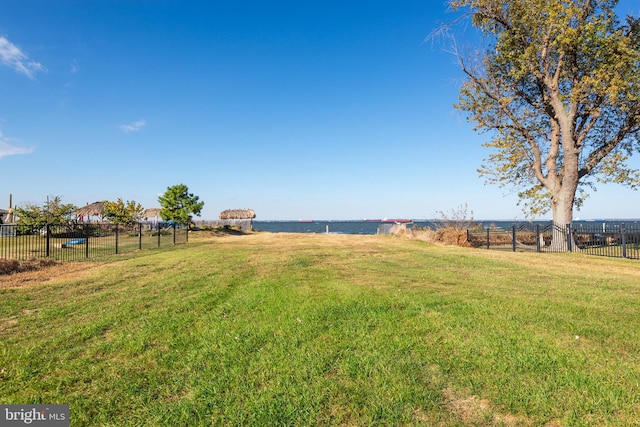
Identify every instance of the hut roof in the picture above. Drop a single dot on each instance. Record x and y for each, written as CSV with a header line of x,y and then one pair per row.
x,y
94,209
237,214
151,213
2,212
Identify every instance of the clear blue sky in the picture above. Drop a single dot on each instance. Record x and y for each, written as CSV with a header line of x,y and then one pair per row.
x,y
316,110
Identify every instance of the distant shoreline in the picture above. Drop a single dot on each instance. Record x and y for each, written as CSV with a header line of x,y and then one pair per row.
x,y
368,227
519,220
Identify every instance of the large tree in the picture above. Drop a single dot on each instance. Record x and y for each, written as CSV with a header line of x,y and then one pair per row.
x,y
557,88
177,204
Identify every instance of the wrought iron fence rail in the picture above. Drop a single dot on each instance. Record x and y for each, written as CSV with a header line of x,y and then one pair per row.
x,y
74,241
617,240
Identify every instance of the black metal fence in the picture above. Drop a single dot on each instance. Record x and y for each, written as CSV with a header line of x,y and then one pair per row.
x,y
76,241
612,240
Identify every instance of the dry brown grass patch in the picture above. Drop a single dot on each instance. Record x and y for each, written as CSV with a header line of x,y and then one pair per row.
x,y
43,271
471,410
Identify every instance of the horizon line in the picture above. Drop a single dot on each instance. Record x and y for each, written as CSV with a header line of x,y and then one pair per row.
x,y
428,219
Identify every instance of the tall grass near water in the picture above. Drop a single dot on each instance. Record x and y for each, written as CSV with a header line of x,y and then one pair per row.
x,y
284,329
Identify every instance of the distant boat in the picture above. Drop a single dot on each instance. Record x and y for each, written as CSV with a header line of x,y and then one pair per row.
x,y
305,220
397,220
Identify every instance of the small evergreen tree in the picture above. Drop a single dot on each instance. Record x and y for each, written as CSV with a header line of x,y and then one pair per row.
x,y
177,204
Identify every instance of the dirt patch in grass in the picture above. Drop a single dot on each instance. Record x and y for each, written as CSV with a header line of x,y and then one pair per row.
x,y
468,409
471,410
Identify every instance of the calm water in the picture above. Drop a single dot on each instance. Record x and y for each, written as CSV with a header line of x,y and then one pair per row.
x,y
363,227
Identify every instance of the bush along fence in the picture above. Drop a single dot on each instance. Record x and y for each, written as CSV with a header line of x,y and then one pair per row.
x,y
613,240
69,242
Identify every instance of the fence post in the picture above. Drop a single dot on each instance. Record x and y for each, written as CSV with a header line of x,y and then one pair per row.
x,y
569,245
139,235
186,230
158,233
624,240
86,240
513,238
174,232
488,237
116,238
48,241
537,237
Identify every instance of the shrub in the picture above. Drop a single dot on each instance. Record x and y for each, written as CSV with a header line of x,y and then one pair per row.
x,y
451,236
451,228
11,266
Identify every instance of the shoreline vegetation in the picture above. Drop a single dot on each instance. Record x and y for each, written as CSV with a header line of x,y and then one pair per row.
x,y
307,329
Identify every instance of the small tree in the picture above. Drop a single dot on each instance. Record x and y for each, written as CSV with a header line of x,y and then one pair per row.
x,y
125,213
459,219
53,212
177,204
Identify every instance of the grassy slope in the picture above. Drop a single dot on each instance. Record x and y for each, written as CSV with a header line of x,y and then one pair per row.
x,y
276,329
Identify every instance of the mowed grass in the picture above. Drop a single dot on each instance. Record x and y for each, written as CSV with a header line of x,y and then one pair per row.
x,y
286,329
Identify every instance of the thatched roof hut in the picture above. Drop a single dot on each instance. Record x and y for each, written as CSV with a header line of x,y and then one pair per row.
x,y
94,209
237,218
151,213
237,214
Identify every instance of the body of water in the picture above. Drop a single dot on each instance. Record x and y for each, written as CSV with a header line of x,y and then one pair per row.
x,y
370,227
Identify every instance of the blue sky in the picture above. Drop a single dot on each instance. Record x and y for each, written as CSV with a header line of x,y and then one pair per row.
x,y
296,109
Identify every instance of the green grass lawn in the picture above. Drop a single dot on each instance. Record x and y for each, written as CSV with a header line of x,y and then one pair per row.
x,y
278,329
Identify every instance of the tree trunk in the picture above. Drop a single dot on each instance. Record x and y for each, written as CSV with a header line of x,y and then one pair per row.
x,y
562,208
565,183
